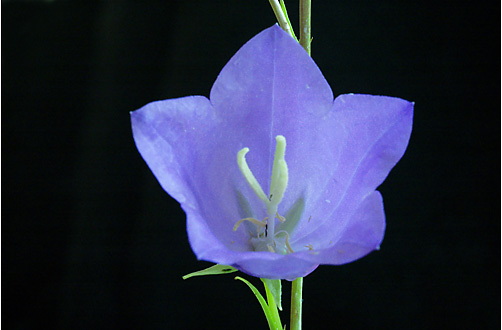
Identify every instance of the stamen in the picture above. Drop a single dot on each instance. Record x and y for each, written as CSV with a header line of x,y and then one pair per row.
x,y
270,248
252,220
287,244
286,241
279,217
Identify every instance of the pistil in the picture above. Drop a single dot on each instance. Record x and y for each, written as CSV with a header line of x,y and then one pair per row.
x,y
278,185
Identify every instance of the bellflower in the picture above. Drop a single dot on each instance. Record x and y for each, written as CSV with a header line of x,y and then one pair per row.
x,y
275,176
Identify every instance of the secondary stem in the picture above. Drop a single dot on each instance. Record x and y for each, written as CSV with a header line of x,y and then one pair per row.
x,y
281,17
296,304
305,24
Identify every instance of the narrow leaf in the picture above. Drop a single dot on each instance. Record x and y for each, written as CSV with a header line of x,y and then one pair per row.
x,y
213,270
272,323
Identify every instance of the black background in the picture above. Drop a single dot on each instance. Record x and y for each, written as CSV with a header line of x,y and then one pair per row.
x,y
91,241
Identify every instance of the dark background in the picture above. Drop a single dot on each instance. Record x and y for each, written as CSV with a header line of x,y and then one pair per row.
x,y
91,241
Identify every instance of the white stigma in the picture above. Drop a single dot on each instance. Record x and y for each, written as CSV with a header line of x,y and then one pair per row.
x,y
248,175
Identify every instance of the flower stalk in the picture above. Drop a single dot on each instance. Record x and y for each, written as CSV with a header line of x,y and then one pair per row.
x,y
305,25
295,321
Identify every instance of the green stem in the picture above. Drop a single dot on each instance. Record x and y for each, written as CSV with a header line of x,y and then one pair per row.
x,y
297,285
281,17
305,24
296,304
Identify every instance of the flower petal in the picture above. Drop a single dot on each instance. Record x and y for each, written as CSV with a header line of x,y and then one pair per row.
x,y
167,134
289,267
269,87
363,233
179,141
372,133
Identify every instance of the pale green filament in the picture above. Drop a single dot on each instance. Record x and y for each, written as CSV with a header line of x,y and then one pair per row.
x,y
278,184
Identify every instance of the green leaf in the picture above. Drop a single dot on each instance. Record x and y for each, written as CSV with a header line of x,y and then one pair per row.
x,y
275,288
272,321
213,270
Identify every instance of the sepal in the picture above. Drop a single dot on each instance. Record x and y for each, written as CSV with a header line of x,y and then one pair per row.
x,y
275,288
213,270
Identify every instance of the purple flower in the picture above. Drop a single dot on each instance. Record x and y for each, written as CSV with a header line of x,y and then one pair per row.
x,y
327,210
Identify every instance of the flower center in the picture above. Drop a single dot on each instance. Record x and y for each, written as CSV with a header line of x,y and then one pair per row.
x,y
267,238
